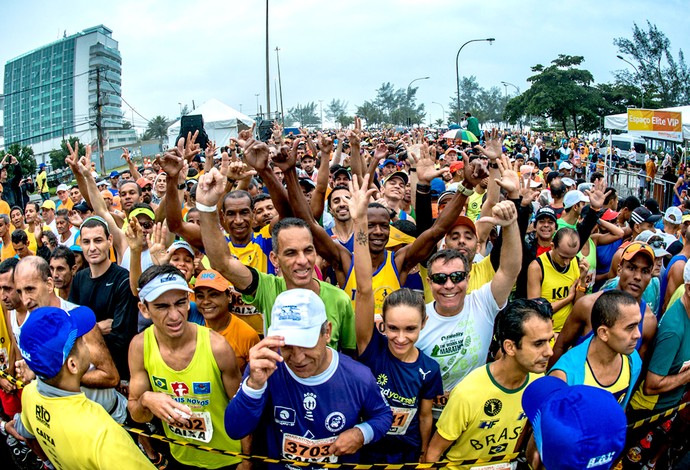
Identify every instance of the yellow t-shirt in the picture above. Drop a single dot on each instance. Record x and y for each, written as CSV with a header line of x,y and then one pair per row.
x,y
481,273
7,251
42,182
241,337
4,207
474,205
5,343
555,285
483,418
76,432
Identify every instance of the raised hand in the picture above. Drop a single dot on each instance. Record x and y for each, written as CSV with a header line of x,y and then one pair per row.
x,y
211,187
238,170
494,146
504,213
381,151
326,144
426,166
125,155
597,198
359,196
173,159
509,180
156,243
263,360
245,135
191,148
256,154
210,153
474,172
134,235
287,157
72,159
74,218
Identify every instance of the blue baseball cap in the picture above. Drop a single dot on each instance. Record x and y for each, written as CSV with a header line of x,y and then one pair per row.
x,y
391,161
114,174
48,335
575,427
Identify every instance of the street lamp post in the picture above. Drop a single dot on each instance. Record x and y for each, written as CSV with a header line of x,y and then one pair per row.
x,y
257,104
408,93
517,88
280,87
443,110
636,70
457,70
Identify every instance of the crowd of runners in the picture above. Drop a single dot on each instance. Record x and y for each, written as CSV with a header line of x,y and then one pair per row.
x,y
360,296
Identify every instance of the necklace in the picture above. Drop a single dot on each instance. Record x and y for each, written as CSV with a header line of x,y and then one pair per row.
x,y
556,266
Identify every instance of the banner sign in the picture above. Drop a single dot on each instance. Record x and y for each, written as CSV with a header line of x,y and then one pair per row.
x,y
664,125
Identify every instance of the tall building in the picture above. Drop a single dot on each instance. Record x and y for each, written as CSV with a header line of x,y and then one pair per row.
x,y
51,93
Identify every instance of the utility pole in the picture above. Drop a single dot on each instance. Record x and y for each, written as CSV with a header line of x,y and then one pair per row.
x,y
99,118
268,81
321,109
280,87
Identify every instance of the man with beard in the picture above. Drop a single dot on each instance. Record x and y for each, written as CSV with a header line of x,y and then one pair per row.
x,y
146,190
635,271
343,230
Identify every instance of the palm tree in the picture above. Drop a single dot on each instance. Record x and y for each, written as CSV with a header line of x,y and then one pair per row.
x,y
157,128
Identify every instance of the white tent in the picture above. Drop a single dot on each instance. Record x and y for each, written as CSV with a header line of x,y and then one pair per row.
x,y
620,121
220,122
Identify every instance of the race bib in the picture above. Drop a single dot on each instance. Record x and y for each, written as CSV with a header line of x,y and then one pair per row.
x,y
4,362
199,427
402,417
304,449
496,466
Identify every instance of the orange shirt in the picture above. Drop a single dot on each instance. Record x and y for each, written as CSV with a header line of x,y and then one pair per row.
x,y
241,337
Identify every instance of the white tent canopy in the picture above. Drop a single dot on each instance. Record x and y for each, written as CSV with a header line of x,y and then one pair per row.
x,y
220,122
620,121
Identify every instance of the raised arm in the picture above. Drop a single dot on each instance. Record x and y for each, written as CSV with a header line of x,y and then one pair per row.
x,y
364,308
356,160
317,199
130,164
333,252
505,215
95,200
135,239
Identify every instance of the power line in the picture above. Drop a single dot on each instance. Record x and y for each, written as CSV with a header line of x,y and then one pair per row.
x,y
89,123
46,84
125,101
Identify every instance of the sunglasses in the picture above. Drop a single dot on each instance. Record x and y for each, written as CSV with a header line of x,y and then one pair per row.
x,y
147,225
147,189
456,277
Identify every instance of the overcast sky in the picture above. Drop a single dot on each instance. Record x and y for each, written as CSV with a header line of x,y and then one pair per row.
x,y
177,51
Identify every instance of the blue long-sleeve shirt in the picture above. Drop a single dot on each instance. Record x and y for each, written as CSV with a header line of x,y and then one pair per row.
x,y
300,418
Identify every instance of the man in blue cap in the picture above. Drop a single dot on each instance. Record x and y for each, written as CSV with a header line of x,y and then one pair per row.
x,y
42,182
114,179
73,431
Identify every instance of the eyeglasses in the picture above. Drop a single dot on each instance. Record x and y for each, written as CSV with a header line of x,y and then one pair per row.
x,y
456,277
147,225
147,189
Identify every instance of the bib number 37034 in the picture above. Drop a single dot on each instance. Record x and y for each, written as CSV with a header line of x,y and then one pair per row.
x,y
308,450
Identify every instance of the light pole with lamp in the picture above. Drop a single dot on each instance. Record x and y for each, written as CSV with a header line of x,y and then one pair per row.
x,y
636,70
443,110
517,88
408,93
257,104
457,70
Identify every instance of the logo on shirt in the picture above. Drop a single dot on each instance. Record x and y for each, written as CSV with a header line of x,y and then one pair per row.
x,y
179,388
309,404
499,449
43,416
284,416
424,374
160,382
335,421
487,424
492,407
382,380
201,388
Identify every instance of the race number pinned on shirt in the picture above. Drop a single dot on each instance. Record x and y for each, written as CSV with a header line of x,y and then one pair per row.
x,y
402,417
199,427
440,402
304,449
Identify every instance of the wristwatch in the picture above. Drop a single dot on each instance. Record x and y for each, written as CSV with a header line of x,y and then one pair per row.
x,y
465,191
181,186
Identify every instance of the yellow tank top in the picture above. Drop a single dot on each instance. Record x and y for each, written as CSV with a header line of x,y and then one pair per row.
x,y
618,388
385,281
200,387
555,285
76,432
474,205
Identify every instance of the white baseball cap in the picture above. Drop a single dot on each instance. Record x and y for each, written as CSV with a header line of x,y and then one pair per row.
x,y
673,215
298,315
62,187
565,166
573,197
161,284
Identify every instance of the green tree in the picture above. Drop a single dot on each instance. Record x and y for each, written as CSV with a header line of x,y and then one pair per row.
x,y
157,128
371,114
25,156
306,115
562,93
469,99
335,110
184,111
57,156
438,122
126,125
344,120
491,104
663,80
391,106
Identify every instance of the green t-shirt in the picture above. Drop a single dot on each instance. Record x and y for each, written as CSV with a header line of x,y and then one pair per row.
x,y
671,350
338,308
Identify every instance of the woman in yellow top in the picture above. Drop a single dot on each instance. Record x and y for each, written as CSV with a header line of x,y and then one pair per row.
x,y
558,276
